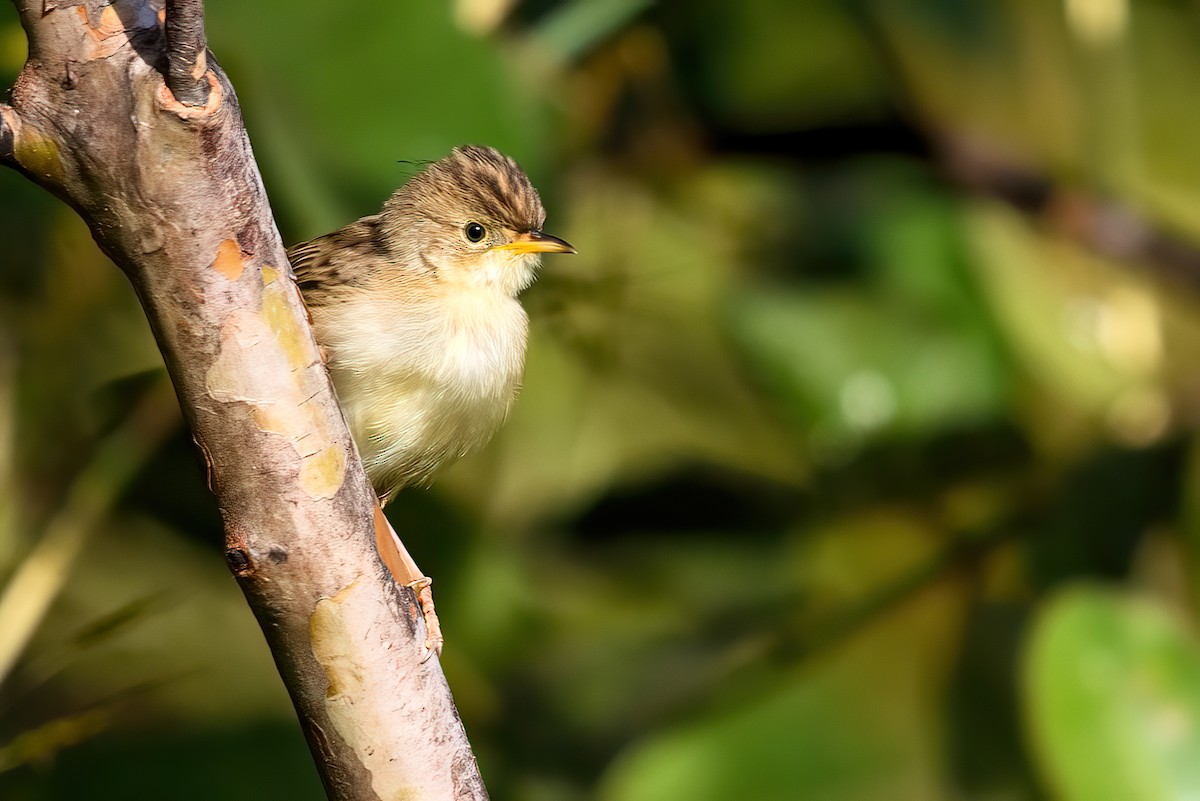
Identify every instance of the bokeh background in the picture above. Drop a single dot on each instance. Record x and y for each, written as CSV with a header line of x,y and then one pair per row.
x,y
857,454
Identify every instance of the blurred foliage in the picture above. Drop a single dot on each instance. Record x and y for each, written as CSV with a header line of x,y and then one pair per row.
x,y
1114,681
856,457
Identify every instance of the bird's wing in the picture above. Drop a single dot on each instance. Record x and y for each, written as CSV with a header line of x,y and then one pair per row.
x,y
328,262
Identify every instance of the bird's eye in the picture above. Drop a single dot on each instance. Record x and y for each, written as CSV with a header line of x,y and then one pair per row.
x,y
474,231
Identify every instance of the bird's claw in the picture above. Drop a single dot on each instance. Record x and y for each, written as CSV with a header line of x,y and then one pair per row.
x,y
423,587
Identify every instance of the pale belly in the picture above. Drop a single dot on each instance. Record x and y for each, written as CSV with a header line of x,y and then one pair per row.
x,y
415,410
412,429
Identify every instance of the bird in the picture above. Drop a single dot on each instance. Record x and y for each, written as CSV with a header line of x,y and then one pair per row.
x,y
416,310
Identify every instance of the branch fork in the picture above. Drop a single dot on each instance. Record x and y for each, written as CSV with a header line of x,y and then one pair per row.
x,y
212,100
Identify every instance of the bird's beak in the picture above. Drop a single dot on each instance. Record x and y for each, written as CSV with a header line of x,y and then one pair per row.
x,y
536,242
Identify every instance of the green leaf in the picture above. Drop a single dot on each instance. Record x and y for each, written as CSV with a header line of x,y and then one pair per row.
x,y
852,367
1113,695
857,722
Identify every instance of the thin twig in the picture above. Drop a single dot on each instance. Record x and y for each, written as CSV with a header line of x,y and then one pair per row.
x,y
187,61
1104,225
1107,226
27,597
959,554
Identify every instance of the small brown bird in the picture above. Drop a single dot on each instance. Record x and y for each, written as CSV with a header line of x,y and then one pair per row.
x,y
416,310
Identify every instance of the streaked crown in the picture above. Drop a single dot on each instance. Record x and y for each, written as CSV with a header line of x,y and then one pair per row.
x,y
479,178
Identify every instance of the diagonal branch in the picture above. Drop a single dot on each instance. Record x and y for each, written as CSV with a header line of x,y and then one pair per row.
x,y
187,62
166,180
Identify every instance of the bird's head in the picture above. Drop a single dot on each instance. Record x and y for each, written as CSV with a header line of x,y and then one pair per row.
x,y
472,218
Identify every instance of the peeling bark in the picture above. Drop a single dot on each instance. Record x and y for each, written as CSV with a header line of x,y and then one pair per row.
x,y
162,171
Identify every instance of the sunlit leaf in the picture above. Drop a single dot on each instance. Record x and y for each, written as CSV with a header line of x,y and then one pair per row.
x,y
817,735
1113,699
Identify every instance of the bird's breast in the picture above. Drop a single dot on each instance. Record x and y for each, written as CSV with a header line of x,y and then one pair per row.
x,y
483,345
438,385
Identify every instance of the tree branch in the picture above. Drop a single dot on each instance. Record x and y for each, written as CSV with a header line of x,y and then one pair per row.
x,y
200,247
187,62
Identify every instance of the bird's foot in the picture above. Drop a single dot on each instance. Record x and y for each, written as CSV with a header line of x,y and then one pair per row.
x,y
423,587
406,574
